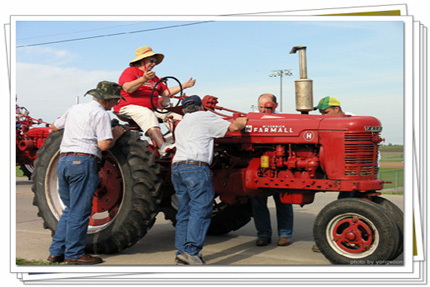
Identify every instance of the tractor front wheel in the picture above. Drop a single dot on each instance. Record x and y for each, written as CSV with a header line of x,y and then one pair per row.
x,y
356,231
27,170
397,214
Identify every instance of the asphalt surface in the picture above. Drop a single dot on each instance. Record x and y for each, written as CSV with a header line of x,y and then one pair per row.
x,y
157,246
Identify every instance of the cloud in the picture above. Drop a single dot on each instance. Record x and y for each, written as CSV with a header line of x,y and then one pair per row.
x,y
48,91
44,55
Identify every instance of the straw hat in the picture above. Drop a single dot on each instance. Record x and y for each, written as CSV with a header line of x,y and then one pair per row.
x,y
145,52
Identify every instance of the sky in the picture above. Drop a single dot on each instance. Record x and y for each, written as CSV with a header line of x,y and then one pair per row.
x,y
359,62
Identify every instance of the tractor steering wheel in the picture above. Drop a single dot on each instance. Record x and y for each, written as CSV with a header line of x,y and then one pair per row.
x,y
164,80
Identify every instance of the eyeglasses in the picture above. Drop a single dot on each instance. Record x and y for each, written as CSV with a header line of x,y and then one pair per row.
x,y
153,61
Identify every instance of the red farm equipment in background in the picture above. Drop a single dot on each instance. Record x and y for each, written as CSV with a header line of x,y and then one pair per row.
x,y
28,139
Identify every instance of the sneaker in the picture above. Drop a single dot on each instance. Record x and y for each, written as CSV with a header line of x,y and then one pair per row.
x,y
179,261
168,138
201,258
187,259
166,148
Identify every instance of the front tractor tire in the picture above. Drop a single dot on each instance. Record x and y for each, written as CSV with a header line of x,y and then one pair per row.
x,y
126,201
397,214
356,231
27,170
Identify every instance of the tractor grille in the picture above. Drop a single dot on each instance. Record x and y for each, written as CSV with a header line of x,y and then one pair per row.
x,y
360,154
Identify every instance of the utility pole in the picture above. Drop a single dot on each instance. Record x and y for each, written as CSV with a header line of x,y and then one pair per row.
x,y
280,74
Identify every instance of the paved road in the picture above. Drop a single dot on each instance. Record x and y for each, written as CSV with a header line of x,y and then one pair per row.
x,y
157,247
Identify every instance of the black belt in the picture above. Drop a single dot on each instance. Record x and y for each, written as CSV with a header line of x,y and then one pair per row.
x,y
77,153
193,162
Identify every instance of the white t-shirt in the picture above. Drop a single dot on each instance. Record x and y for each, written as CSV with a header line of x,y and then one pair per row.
x,y
84,125
194,136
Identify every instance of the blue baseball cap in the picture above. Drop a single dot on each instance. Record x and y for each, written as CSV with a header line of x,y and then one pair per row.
x,y
191,101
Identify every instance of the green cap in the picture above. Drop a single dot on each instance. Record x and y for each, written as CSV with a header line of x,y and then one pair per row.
x,y
106,90
327,102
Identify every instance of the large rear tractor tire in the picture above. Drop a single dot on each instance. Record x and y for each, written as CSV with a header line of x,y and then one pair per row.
x,y
126,201
356,231
225,217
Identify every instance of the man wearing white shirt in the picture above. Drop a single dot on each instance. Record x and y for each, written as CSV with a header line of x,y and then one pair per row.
x,y
87,132
192,177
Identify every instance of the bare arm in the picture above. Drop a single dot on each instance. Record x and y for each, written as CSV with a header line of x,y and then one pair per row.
x,y
54,128
238,124
117,132
131,87
174,90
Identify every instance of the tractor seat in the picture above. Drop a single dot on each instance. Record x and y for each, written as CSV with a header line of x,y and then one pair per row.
x,y
129,120
124,118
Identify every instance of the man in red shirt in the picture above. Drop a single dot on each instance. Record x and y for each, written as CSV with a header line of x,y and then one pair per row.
x,y
137,82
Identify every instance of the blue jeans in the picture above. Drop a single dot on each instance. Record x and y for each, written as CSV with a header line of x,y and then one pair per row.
x,y
195,192
261,214
77,182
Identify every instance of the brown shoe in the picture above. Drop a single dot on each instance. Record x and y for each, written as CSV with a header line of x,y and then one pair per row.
x,y
284,241
315,249
263,241
85,259
56,259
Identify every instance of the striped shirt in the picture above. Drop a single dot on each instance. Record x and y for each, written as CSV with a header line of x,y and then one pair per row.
x,y
84,125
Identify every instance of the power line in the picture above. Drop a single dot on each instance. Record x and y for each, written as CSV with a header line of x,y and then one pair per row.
x,y
115,34
83,31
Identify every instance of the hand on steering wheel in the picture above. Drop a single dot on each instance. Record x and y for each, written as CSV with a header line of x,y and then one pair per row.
x,y
164,80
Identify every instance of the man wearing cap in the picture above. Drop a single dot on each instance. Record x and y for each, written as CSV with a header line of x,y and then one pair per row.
x,y
87,132
192,177
137,82
284,212
330,106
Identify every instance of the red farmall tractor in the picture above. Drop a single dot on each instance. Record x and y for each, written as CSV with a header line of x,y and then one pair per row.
x,y
28,139
293,155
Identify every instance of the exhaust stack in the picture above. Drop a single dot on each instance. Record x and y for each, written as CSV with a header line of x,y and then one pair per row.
x,y
304,92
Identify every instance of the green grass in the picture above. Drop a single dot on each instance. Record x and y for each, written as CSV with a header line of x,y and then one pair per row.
x,y
21,261
389,174
391,153
393,148
396,176
391,156
19,172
